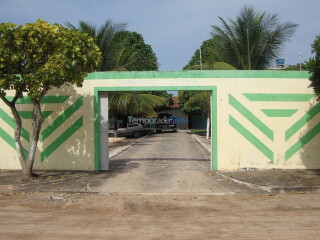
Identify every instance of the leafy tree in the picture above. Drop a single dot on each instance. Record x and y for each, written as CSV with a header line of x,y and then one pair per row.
x,y
314,67
253,39
211,57
129,52
184,97
102,37
34,58
196,102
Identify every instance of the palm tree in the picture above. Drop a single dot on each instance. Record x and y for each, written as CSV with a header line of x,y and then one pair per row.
x,y
123,104
253,39
102,36
123,60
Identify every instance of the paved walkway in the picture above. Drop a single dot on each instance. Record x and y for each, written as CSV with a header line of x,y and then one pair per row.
x,y
166,162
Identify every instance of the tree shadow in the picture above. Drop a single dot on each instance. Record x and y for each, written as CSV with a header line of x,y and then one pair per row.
x,y
67,135
308,144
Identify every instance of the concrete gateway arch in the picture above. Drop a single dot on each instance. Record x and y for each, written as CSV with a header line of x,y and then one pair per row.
x,y
259,119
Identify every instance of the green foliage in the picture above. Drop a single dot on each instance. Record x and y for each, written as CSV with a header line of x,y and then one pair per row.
x,y
253,39
314,67
34,58
124,104
44,56
195,102
102,37
167,96
129,52
211,57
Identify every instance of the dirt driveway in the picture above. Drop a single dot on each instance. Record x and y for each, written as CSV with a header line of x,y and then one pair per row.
x,y
159,216
166,162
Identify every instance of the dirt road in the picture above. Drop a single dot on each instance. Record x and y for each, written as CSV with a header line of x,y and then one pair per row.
x,y
159,216
182,199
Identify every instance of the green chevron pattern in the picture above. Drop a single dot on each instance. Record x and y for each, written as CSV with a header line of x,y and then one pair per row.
x,y
11,122
275,97
251,138
279,112
61,119
61,139
275,113
251,117
56,124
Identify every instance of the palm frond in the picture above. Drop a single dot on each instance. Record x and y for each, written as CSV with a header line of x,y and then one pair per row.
x,y
131,103
253,39
102,36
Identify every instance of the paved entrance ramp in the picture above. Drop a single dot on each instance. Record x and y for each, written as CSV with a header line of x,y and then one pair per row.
x,y
164,163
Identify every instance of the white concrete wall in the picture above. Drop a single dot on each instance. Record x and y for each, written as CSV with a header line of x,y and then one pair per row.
x,y
74,146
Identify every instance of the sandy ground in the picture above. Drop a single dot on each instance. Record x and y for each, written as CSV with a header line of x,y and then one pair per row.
x,y
182,199
159,216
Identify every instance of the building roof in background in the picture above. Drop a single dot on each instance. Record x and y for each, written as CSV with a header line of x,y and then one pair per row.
x,y
176,104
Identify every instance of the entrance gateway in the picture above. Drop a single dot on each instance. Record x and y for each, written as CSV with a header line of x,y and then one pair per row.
x,y
259,119
101,123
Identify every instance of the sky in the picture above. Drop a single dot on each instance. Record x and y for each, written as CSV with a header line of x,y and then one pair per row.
x,y
173,28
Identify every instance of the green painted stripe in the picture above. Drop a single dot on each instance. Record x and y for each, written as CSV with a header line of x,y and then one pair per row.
x,y
275,97
28,114
199,74
302,121
303,141
61,119
46,99
214,130
251,117
251,138
279,112
12,123
61,139
8,139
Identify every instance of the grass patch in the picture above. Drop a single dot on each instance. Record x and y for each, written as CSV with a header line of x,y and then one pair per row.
x,y
198,130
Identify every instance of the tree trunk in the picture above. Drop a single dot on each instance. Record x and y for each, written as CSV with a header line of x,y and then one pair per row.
x,y
26,174
37,120
27,164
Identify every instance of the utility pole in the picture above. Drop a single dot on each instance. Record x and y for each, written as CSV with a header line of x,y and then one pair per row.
x,y
300,58
200,59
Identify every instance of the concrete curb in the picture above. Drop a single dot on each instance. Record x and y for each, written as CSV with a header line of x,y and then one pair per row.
x,y
200,142
121,149
274,189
